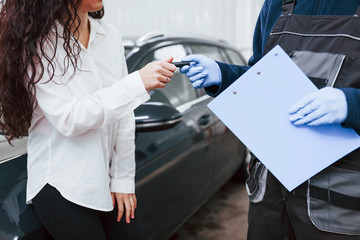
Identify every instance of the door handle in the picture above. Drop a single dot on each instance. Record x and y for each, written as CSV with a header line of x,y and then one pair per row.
x,y
204,120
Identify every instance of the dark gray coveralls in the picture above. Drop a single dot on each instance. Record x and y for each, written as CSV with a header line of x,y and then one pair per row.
x,y
327,49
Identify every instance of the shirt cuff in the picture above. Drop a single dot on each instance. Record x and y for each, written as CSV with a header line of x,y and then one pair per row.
x,y
122,186
353,103
136,88
229,74
215,90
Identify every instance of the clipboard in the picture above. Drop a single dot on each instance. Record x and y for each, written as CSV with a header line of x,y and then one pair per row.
x,y
255,108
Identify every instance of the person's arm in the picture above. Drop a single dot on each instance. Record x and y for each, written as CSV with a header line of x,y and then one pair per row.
x,y
122,163
122,168
203,68
214,77
264,24
71,115
229,74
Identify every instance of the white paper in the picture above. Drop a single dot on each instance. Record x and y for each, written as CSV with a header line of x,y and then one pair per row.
x,y
256,109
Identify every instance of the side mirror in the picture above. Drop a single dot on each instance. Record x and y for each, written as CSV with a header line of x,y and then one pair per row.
x,y
155,116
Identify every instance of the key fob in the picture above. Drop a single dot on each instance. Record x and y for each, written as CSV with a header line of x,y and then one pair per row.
x,y
181,64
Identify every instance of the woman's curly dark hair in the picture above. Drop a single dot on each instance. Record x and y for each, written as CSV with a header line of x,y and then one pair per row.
x,y
25,26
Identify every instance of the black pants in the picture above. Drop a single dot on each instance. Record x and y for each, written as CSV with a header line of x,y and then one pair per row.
x,y
65,220
283,215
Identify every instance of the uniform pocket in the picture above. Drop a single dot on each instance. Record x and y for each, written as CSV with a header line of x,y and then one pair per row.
x,y
321,68
334,201
256,182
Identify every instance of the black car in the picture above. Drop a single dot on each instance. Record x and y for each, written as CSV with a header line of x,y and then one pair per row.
x,y
184,153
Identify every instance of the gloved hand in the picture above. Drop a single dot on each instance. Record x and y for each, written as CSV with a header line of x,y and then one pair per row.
x,y
202,72
326,106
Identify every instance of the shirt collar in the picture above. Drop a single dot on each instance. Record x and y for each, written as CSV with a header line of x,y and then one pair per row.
x,y
96,27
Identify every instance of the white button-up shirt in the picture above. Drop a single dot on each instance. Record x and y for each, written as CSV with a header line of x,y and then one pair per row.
x,y
81,139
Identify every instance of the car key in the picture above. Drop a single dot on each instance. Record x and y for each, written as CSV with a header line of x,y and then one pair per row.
x,y
181,64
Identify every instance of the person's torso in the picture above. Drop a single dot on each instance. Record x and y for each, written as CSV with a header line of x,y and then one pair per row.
x,y
324,42
79,165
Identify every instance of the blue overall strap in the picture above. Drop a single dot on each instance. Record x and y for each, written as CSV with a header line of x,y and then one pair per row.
x,y
288,7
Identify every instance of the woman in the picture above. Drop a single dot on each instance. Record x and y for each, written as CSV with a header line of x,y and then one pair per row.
x,y
63,80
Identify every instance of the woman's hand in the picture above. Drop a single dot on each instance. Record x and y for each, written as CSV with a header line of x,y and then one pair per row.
x,y
157,74
126,203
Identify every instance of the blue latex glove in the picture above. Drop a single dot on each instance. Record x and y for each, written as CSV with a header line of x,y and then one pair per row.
x,y
326,106
202,72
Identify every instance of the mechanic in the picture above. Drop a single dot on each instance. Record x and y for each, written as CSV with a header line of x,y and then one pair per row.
x,y
323,38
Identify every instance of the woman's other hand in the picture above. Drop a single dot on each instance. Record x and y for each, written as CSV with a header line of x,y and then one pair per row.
x,y
157,74
126,203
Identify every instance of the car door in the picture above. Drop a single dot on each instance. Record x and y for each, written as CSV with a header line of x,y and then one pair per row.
x,y
17,219
173,166
229,152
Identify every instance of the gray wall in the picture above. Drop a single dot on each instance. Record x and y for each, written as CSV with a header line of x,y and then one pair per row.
x,y
230,20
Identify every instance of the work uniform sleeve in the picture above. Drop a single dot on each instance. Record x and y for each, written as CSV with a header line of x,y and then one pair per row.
x,y
231,73
353,103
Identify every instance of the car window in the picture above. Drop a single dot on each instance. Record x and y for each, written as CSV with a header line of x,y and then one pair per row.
x,y
177,92
175,51
212,52
235,57
127,50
